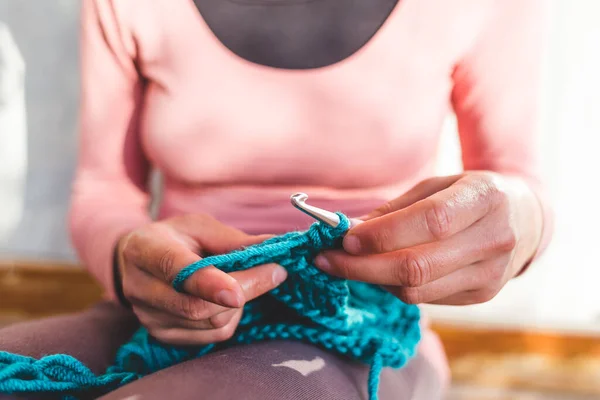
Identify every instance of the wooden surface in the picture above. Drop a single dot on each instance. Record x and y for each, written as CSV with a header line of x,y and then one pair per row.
x,y
544,361
484,357
31,290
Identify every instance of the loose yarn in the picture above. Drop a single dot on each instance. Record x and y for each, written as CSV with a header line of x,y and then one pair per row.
x,y
353,319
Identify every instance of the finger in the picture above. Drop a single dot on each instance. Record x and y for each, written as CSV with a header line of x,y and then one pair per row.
x,y
186,337
259,280
468,297
209,283
153,293
434,218
253,283
418,192
161,252
487,277
153,318
416,266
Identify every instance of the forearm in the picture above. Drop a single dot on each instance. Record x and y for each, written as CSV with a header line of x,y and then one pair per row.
x,y
95,229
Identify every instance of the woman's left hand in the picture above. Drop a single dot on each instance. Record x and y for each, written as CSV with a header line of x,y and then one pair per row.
x,y
449,240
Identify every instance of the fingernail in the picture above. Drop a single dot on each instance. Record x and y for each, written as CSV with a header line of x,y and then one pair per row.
x,y
323,263
229,298
352,244
279,275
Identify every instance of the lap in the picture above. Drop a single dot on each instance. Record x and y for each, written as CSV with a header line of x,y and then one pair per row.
x,y
92,336
281,370
266,370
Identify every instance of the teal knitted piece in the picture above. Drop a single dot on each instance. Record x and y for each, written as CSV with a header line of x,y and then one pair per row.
x,y
352,319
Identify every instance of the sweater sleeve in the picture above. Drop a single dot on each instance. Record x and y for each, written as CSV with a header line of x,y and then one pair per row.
x,y
496,97
109,195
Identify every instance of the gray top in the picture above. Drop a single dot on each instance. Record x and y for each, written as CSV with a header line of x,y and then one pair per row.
x,y
295,34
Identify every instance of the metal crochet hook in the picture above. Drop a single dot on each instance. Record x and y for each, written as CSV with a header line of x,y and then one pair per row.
x,y
327,217
299,201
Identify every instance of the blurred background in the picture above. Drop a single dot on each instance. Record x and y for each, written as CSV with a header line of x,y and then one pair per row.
x,y
39,84
38,140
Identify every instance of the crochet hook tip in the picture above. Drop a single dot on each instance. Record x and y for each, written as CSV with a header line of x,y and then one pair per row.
x,y
299,201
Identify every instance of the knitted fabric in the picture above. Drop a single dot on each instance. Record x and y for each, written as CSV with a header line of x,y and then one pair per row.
x,y
353,319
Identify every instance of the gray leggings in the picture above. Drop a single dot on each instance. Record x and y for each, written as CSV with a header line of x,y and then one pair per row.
x,y
263,371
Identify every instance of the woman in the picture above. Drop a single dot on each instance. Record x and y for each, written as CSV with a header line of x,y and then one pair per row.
x,y
239,104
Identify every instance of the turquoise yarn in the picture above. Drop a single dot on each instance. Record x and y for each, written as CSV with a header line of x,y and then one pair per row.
x,y
352,319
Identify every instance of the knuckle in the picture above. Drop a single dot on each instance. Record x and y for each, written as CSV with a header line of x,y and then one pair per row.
x,y
425,183
494,274
263,284
382,240
131,294
507,241
410,295
130,250
343,269
414,269
492,191
219,320
145,320
437,218
483,295
191,309
385,208
166,265
160,334
225,332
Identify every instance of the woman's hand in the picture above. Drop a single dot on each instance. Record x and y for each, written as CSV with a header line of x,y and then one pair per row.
x,y
211,307
449,240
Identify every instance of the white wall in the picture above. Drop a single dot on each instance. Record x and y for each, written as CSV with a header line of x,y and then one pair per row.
x,y
13,134
562,290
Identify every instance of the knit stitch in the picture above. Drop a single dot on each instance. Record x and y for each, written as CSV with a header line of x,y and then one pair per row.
x,y
353,319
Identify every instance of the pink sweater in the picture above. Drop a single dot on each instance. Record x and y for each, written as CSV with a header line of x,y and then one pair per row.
x,y
234,139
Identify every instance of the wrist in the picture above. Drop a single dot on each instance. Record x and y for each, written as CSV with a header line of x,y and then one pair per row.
x,y
531,217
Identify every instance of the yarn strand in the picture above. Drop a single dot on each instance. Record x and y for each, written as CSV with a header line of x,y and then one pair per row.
x,y
374,373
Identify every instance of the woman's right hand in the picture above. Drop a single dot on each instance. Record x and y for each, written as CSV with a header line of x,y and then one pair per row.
x,y
149,259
